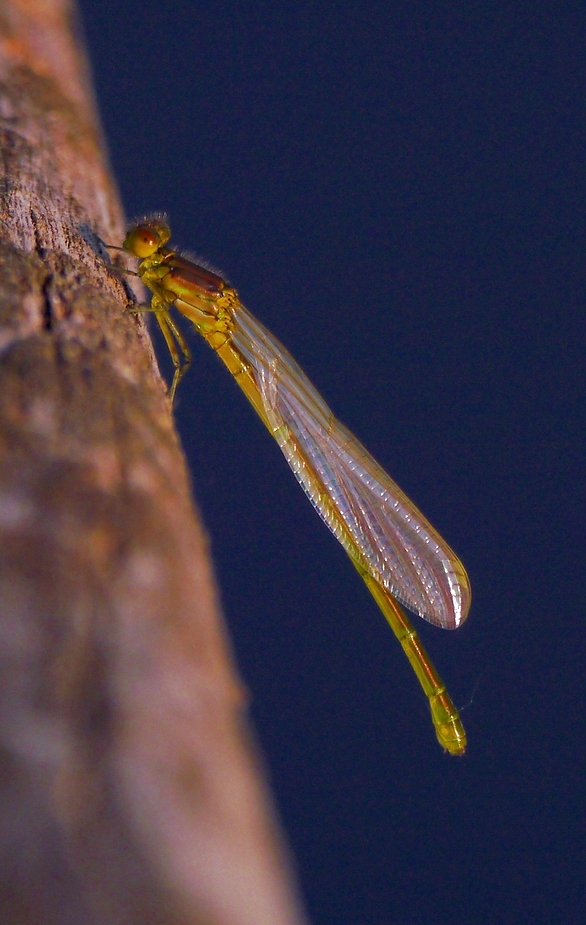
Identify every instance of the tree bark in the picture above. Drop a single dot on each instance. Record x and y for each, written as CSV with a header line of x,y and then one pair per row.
x,y
129,789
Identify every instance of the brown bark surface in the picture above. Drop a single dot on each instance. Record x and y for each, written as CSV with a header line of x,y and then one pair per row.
x,y
129,792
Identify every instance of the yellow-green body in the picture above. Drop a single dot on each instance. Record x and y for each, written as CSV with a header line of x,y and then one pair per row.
x,y
216,311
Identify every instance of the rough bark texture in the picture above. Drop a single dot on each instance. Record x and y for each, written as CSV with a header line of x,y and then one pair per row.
x,y
128,789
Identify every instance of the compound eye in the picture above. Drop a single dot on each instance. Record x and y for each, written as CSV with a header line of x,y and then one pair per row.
x,y
142,241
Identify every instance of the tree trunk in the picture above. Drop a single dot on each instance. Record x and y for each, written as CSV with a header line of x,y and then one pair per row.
x,y
130,793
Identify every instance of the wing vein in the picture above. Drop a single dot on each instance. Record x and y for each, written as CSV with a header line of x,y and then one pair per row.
x,y
367,512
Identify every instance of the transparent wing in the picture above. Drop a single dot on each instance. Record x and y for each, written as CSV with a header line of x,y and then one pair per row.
x,y
367,512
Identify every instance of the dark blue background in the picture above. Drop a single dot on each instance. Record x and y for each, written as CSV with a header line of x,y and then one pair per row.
x,y
397,191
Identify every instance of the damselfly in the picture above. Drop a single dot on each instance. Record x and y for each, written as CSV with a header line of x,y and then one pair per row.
x,y
395,549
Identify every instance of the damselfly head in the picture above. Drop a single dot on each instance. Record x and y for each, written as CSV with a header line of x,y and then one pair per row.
x,y
145,238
